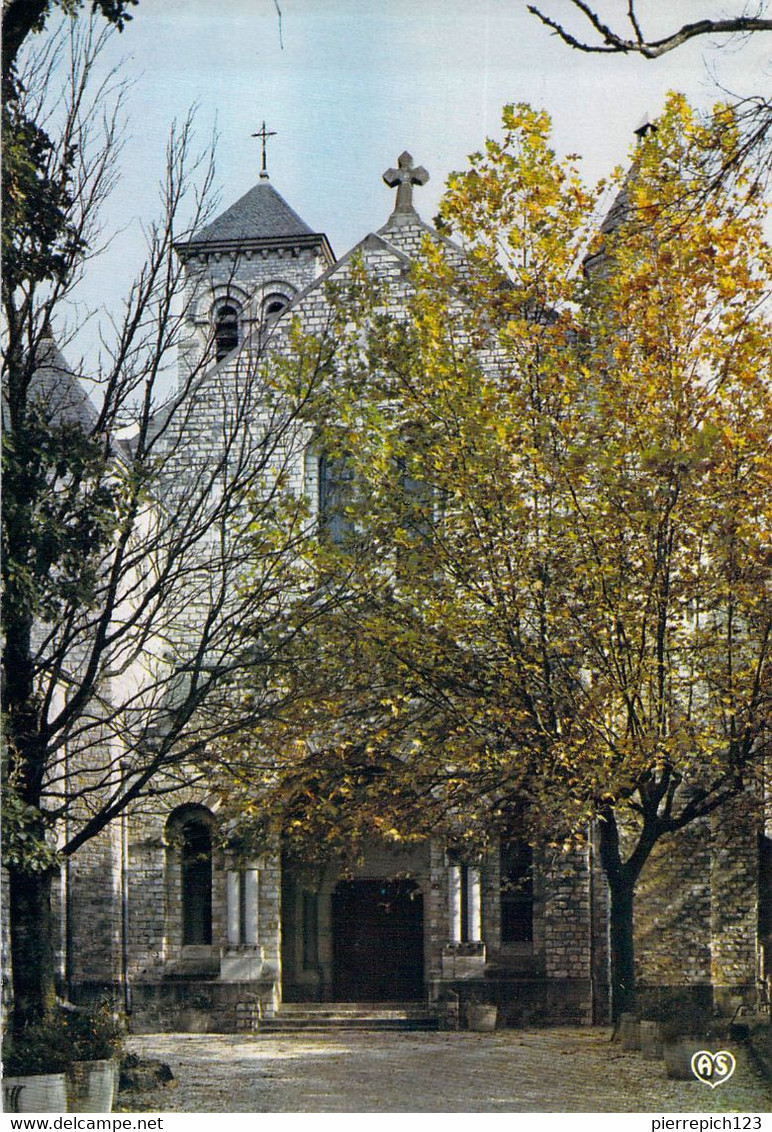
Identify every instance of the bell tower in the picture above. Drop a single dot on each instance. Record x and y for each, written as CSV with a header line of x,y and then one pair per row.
x,y
244,268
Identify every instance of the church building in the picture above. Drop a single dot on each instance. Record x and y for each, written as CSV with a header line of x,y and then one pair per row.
x,y
189,938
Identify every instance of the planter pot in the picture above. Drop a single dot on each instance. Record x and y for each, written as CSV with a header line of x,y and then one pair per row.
x,y
91,1086
481,1017
45,1092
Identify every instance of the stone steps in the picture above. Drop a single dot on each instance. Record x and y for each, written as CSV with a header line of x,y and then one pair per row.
x,y
315,1016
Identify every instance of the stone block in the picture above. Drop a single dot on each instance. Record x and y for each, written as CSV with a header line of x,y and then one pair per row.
x,y
678,1058
463,961
651,1041
629,1032
242,965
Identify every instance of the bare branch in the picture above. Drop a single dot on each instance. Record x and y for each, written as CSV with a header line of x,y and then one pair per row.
x,y
128,615
613,42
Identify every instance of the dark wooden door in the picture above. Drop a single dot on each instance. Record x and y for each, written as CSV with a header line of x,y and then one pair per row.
x,y
377,928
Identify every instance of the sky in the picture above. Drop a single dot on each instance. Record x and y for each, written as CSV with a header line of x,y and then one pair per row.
x,y
349,84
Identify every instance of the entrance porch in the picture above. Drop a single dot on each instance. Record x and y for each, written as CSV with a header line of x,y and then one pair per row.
x,y
363,936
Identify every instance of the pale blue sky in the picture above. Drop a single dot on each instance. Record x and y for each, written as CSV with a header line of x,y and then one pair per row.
x,y
358,81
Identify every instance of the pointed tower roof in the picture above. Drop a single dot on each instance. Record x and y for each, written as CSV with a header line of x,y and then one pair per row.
x,y
260,219
620,206
59,388
619,211
261,213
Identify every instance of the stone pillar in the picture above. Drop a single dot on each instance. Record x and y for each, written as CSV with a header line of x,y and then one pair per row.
x,y
251,925
474,924
454,902
232,901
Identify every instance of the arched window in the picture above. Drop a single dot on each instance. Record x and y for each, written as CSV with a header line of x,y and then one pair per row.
x,y
226,330
196,861
273,305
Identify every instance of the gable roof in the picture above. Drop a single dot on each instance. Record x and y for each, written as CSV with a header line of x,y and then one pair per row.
x,y
407,231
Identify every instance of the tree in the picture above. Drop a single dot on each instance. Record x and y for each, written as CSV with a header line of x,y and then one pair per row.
x,y
555,586
670,508
20,18
635,40
123,549
753,113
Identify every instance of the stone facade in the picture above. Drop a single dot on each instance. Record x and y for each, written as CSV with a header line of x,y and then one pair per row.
x,y
276,929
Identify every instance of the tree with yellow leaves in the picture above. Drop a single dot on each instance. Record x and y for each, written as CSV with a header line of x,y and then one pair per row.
x,y
552,593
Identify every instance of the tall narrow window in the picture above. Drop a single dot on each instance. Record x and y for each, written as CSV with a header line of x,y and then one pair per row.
x,y
516,892
335,490
226,330
196,883
416,498
414,509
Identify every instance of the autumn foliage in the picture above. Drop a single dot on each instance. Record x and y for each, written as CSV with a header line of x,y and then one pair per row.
x,y
553,598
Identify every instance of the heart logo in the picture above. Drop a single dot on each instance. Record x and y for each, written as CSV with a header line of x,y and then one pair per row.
x,y
713,1068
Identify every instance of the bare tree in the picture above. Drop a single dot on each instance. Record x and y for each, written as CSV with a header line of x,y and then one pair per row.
x,y
633,39
126,540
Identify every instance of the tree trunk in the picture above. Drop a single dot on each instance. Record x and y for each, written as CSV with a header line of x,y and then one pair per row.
x,y
621,876
622,944
32,945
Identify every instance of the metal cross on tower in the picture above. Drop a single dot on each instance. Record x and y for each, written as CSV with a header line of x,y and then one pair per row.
x,y
263,134
403,178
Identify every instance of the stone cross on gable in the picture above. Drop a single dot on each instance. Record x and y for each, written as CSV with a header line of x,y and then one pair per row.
x,y
403,178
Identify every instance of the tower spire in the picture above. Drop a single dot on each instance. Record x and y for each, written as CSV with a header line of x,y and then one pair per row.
x,y
263,134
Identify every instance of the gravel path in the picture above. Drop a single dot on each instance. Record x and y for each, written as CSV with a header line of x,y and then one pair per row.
x,y
554,1070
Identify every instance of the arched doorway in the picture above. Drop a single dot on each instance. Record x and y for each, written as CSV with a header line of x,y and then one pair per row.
x,y
377,938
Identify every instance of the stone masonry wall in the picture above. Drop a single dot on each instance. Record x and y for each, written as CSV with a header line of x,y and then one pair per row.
x,y
147,892
672,911
567,916
696,914
734,912
155,898
247,278
92,912
170,982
